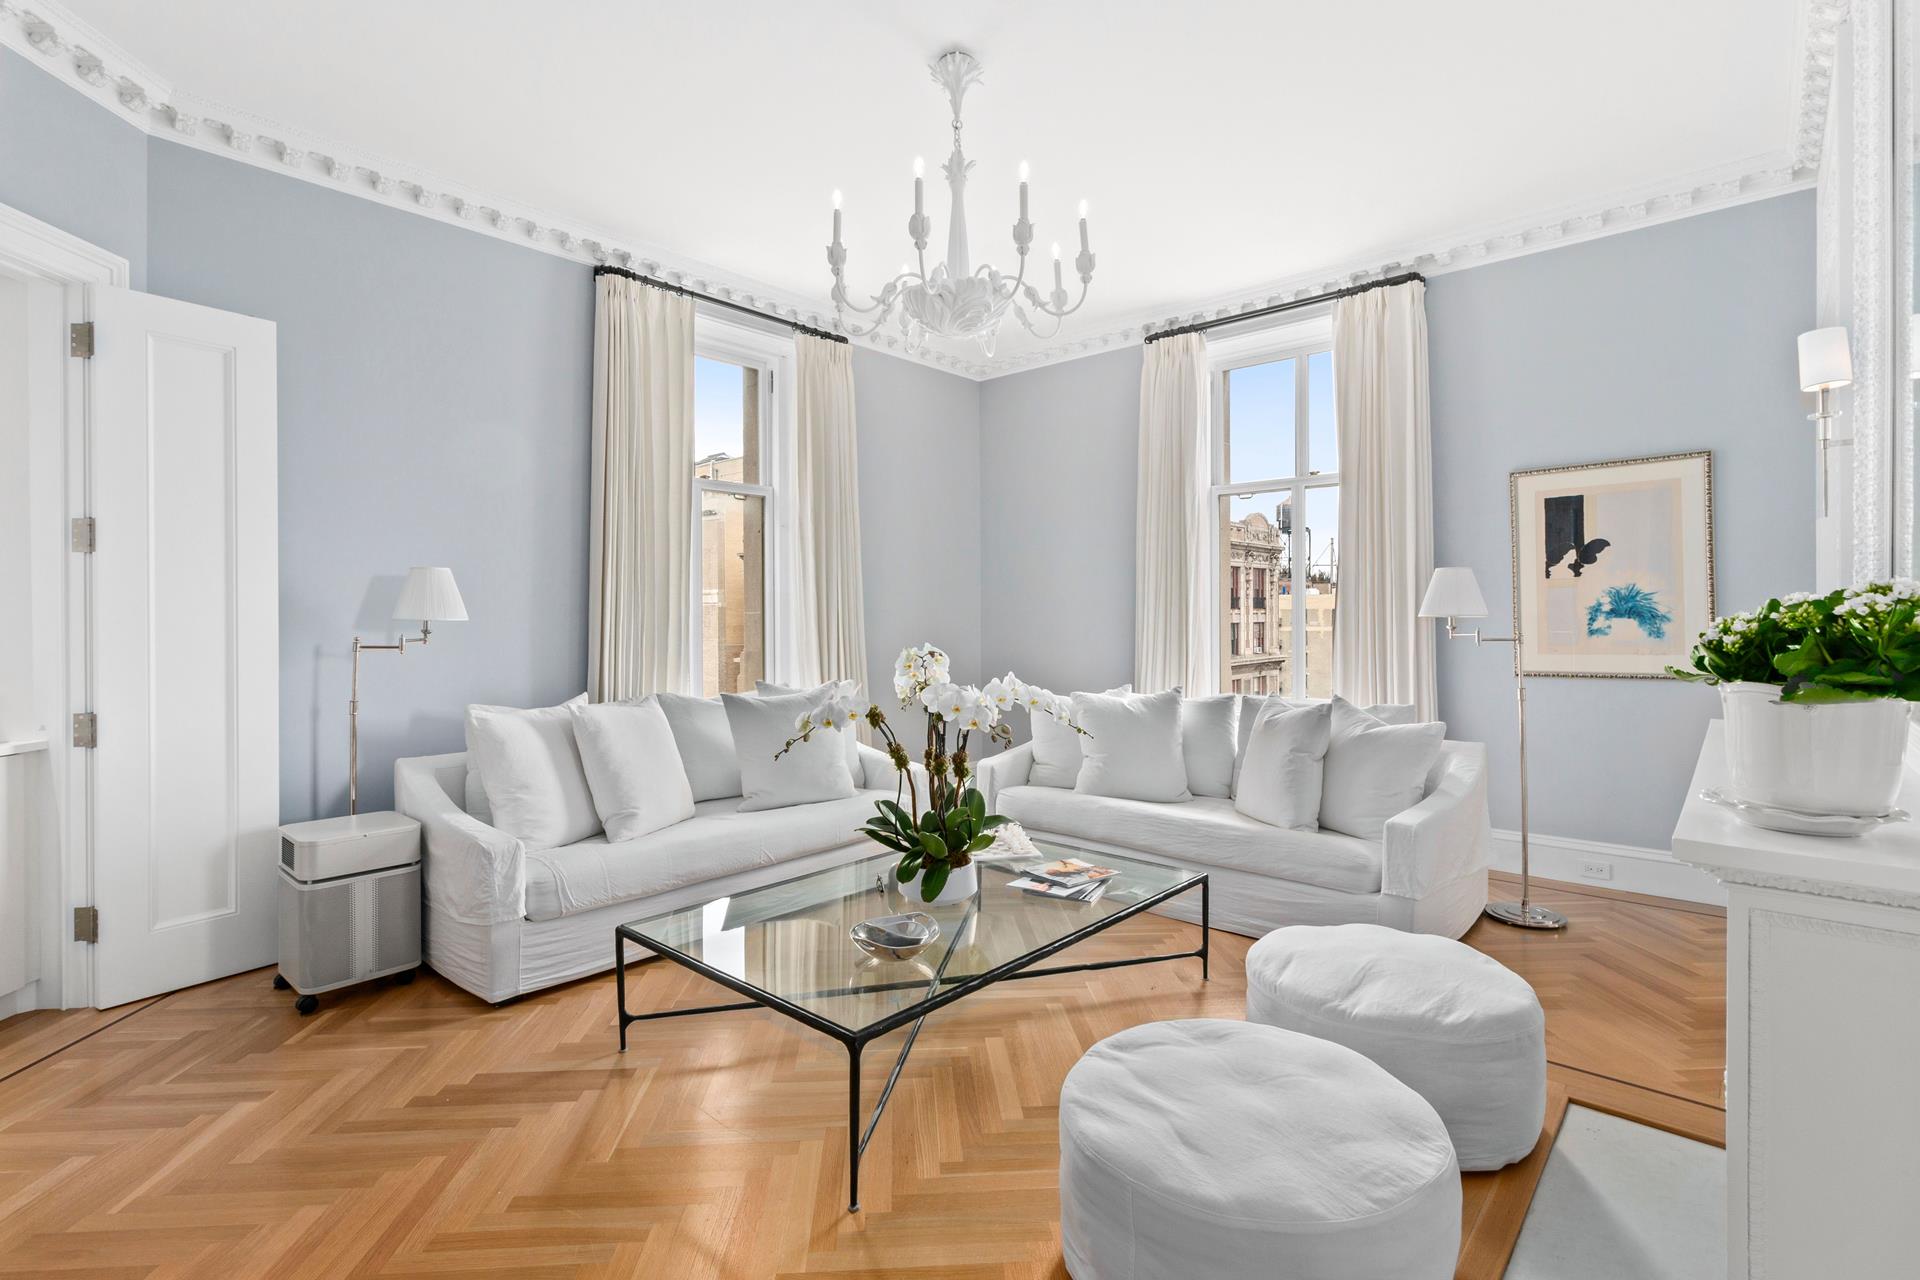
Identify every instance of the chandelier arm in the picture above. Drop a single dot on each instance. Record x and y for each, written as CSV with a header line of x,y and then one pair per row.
x,y
1063,312
1028,324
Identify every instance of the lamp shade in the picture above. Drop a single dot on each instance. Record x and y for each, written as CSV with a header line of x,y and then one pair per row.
x,y
1826,361
430,596
1453,593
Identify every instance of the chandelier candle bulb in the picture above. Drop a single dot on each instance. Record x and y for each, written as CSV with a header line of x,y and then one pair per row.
x,y
1023,191
919,187
836,215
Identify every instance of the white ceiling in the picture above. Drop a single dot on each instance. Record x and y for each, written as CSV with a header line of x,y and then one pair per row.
x,y
1224,144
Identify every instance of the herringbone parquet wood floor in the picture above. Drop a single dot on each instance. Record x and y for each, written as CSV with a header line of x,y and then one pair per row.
x,y
412,1131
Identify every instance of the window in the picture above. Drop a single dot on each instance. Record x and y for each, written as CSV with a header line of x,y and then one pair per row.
x,y
737,424
1278,491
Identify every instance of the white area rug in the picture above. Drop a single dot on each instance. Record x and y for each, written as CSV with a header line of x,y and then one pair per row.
x,y
1622,1199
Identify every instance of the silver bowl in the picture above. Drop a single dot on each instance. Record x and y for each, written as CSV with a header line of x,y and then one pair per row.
x,y
900,937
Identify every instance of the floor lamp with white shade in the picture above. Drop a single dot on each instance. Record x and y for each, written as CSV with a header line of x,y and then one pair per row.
x,y
1452,594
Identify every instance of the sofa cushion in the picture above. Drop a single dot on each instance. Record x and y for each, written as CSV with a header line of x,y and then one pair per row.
x,y
718,840
1374,769
1205,831
777,770
1286,758
633,766
706,744
1252,703
1208,742
530,768
1132,748
821,693
1056,748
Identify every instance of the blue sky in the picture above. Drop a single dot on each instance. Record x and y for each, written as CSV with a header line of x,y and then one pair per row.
x,y
717,407
1261,402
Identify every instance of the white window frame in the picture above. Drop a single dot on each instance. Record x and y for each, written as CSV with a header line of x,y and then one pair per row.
x,y
1294,341
718,336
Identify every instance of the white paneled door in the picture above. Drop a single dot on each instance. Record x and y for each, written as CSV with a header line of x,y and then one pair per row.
x,y
183,638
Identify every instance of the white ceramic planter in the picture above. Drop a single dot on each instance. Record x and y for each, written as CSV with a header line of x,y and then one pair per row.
x,y
959,887
1836,758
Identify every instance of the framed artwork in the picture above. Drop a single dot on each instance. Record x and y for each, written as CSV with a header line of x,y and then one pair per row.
x,y
1612,565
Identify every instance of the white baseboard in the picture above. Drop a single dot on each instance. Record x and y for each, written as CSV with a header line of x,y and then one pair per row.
x,y
1635,870
25,1000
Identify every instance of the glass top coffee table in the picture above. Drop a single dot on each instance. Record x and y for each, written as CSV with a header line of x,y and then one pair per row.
x,y
785,947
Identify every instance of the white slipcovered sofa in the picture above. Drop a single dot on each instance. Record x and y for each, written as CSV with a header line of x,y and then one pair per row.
x,y
1426,874
502,921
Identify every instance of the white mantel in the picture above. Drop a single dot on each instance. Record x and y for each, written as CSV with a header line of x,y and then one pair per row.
x,y
1823,1037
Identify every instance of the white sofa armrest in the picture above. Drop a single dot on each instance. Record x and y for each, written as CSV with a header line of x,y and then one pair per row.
x,y
1448,834
995,774
473,873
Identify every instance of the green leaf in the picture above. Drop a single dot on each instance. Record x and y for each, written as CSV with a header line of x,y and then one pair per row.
x,y
909,868
887,839
935,880
934,847
976,803
978,843
902,819
993,820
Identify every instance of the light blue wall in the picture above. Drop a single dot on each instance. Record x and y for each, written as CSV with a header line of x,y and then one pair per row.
x,y
1059,456
1669,338
919,538
72,162
435,408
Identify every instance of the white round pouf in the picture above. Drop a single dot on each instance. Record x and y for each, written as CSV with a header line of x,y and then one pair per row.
x,y
1461,1028
1231,1151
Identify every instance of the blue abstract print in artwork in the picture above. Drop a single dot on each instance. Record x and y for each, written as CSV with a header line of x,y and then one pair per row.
x,y
1630,604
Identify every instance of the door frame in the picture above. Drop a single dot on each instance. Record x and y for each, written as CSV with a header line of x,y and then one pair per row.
x,y
59,432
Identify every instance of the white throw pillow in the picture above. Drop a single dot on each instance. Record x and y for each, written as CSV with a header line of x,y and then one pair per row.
x,y
854,767
1374,770
813,771
1056,750
531,770
1280,781
1252,703
633,767
1132,746
705,741
1208,742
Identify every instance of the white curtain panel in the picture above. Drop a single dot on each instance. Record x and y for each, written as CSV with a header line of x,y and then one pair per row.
x,y
1382,651
830,614
641,610
1172,633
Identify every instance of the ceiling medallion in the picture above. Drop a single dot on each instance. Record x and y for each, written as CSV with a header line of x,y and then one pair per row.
x,y
957,300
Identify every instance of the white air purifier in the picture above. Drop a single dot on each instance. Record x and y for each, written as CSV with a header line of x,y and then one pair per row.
x,y
349,903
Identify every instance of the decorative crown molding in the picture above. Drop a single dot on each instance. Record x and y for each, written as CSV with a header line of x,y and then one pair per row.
x,y
93,65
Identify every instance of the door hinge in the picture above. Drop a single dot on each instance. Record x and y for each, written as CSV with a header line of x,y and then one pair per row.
x,y
86,924
86,729
80,339
83,534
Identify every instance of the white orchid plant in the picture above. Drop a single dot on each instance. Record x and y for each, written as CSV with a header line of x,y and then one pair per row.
x,y
939,839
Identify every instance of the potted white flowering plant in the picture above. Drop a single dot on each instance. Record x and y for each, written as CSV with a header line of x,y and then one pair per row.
x,y
936,840
1815,692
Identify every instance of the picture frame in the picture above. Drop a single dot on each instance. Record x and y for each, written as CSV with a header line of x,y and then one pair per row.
x,y
1612,565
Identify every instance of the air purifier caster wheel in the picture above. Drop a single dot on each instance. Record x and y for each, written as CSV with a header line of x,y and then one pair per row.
x,y
307,1004
280,983
405,977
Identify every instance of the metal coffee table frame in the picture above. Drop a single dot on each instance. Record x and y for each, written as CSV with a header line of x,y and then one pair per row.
x,y
917,1014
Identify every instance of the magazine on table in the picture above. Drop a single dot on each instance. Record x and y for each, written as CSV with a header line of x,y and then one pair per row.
x,y
1071,878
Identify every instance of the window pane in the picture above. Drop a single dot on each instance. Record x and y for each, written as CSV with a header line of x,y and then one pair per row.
x,y
733,591
726,421
1323,576
1254,593
1258,414
1323,436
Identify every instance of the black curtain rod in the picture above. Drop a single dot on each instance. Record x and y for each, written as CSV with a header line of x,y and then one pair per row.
x,y
1201,326
794,325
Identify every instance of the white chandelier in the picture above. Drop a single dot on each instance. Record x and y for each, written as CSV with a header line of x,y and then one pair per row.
x,y
956,300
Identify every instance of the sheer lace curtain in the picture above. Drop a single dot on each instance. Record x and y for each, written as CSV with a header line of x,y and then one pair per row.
x,y
640,602
830,620
1173,547
1382,651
